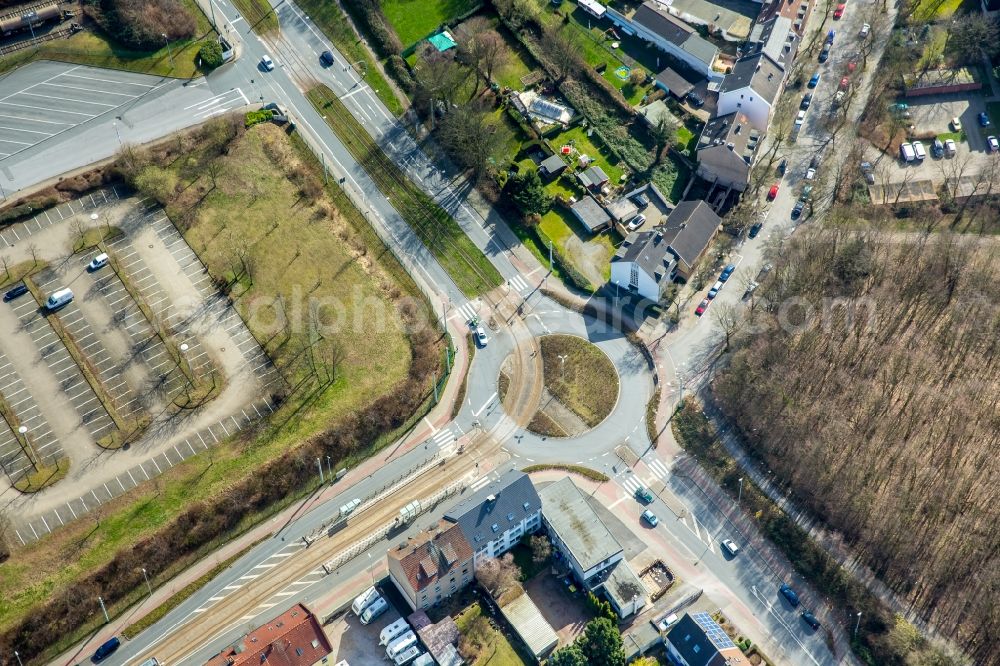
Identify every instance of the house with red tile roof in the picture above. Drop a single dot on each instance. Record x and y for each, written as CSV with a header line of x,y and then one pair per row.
x,y
294,638
432,565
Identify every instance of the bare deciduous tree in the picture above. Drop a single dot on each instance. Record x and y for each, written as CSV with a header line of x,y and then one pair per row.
x,y
498,575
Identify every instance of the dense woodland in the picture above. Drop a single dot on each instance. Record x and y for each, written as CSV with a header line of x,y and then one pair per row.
x,y
887,426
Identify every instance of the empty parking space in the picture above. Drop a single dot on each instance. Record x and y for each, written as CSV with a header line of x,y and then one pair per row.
x,y
21,231
58,360
13,457
48,99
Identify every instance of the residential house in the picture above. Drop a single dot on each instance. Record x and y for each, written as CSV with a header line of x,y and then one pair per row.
x,y
551,167
592,553
294,638
432,565
441,638
698,640
653,22
497,516
593,178
590,214
727,149
648,261
757,79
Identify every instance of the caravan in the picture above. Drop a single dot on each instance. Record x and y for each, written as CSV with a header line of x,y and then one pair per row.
x,y
393,631
401,645
364,600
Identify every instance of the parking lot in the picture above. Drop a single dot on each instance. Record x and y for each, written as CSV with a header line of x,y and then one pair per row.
x,y
46,99
39,434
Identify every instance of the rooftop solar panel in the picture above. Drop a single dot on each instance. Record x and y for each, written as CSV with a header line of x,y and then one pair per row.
x,y
719,638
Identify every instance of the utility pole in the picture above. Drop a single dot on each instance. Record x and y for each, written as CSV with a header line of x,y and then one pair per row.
x,y
170,54
18,657
551,265
103,608
148,586
435,388
322,479
739,499
329,469
562,365
858,624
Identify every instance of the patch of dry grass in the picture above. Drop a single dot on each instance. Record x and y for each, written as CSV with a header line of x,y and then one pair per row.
x,y
580,376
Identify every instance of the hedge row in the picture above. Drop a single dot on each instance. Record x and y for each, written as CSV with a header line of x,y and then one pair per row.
x,y
257,117
368,16
141,24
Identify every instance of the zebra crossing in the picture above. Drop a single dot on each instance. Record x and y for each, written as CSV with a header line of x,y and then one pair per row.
x,y
447,440
519,283
631,483
658,468
467,312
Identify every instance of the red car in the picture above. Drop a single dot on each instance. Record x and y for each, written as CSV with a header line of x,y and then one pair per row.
x,y
838,13
702,307
773,192
844,82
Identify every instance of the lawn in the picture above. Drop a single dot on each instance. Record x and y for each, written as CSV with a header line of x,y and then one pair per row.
x,y
334,23
93,47
588,145
939,10
584,379
464,262
589,255
519,62
416,19
481,644
353,271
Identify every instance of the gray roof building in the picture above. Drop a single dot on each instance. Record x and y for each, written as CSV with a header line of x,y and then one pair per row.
x,y
495,508
593,177
649,250
530,625
671,81
698,640
591,214
659,24
692,225
776,38
577,525
552,165
757,72
623,588
727,148
662,23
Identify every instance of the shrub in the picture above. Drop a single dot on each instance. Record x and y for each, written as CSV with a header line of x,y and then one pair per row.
x,y
210,54
141,24
257,117
368,15
400,71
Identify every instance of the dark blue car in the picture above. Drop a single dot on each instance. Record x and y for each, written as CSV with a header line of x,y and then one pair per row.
x,y
106,650
814,81
726,272
789,594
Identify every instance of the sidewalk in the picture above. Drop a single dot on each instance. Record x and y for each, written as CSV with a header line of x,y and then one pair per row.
x,y
438,416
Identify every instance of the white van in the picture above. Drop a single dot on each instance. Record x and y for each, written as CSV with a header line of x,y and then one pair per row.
x,y
364,600
918,151
350,506
59,298
906,152
393,631
401,645
373,611
408,656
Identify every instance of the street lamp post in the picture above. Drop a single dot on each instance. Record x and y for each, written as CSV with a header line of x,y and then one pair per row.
x,y
107,618
149,587
18,657
739,499
319,464
117,133
857,625
166,41
562,365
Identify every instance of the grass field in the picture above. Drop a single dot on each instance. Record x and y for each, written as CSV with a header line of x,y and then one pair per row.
x,y
588,254
588,145
481,644
351,266
465,263
586,381
415,19
92,47
334,23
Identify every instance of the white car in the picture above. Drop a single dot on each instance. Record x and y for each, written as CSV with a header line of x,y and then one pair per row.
x,y
956,124
730,547
950,148
906,151
636,222
801,118
810,174
267,63
481,338
993,144
100,261
865,29
918,150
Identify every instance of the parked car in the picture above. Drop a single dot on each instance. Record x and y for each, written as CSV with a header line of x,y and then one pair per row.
x,y
800,118
870,178
991,142
695,100
906,152
727,272
106,650
730,547
824,55
267,63
956,124
14,292
700,310
806,191
810,619
750,289
640,200
937,148
754,230
788,593
373,611
865,29
814,81
481,338
773,192
830,35
984,120
797,209
650,518
918,151
643,494
716,288
838,13
326,57
636,222
58,298
782,165
810,173
950,148
844,82
100,261
806,101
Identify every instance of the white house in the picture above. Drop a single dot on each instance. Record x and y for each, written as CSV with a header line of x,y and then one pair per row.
x,y
654,23
495,518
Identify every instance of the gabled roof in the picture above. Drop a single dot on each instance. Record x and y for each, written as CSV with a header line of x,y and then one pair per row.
x,y
488,513
649,250
294,638
661,22
552,165
702,642
693,224
673,81
432,555
732,132
593,176
776,38
758,72
577,524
